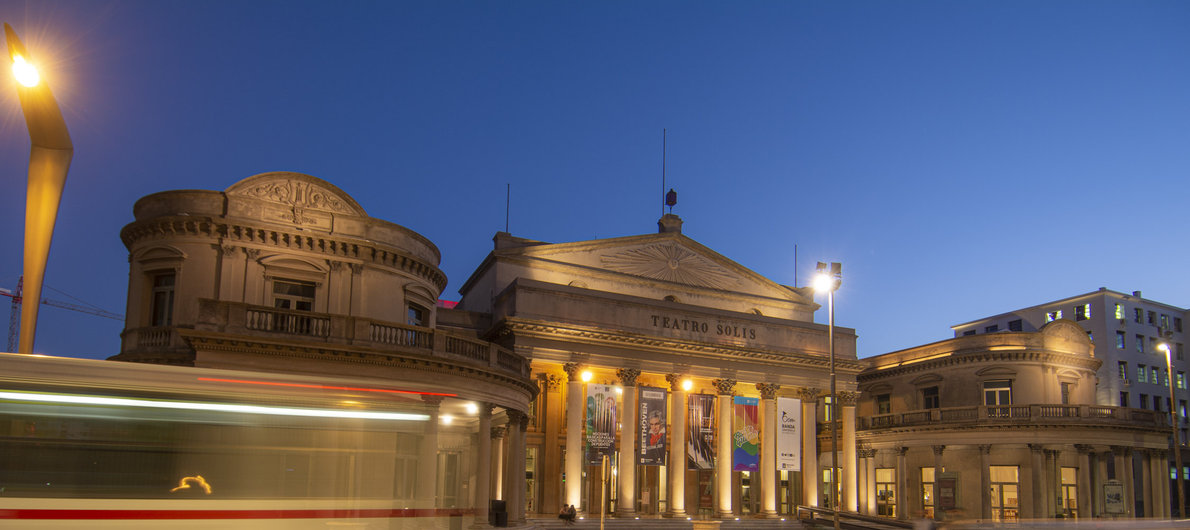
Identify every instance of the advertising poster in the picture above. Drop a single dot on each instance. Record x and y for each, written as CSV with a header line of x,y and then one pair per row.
x,y
652,426
789,436
700,438
601,422
745,434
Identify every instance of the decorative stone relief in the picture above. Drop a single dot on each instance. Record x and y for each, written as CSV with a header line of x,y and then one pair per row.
x,y
809,394
628,376
552,382
297,194
675,382
725,387
847,398
572,371
768,390
670,262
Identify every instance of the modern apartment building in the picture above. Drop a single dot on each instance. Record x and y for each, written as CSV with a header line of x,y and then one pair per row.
x,y
1126,330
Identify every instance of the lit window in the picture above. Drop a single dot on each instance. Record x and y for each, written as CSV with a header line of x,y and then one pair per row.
x,y
1082,312
1004,493
1123,369
827,410
1053,315
1014,325
1164,321
1119,312
1181,379
162,310
1142,373
1120,339
997,392
1140,343
1137,314
927,492
1153,372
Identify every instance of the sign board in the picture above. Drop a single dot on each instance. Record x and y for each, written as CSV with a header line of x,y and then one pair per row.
x,y
1113,497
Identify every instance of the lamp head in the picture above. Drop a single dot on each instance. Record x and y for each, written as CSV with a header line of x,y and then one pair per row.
x,y
586,376
25,73
687,385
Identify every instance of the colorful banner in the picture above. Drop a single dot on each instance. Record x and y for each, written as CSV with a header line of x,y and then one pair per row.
x,y
700,435
789,434
745,434
601,423
652,426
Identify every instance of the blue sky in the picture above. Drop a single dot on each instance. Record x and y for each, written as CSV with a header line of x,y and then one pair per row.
x,y
960,159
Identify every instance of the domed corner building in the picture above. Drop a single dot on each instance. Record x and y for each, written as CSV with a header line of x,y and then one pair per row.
x,y
1004,427
284,272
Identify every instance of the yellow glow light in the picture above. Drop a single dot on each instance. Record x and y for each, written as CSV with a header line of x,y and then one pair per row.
x,y
619,390
823,283
586,376
25,72
185,483
447,419
687,385
472,408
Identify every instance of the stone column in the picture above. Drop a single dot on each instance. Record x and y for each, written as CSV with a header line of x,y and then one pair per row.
x,y
1036,472
809,397
574,435
514,482
676,465
1085,488
500,457
902,485
1050,481
725,388
985,482
849,464
1129,484
1100,479
938,449
626,469
1162,471
483,465
427,462
768,450
1146,482
867,483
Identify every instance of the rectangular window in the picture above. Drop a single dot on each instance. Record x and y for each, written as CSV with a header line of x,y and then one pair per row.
x,y
1182,409
1015,325
1140,344
992,328
884,404
1142,373
1053,315
293,294
828,412
1123,399
1165,321
1123,365
886,492
1152,316
1119,312
1120,339
1070,492
1181,380
1066,392
1152,345
1177,324
1178,348
997,395
929,398
927,492
1137,314
416,315
1144,401
1153,375
162,309
1005,489
968,333
1082,312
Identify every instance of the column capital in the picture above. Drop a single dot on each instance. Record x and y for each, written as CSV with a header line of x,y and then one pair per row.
x,y
356,268
675,382
1084,449
518,419
1036,448
809,394
432,400
498,432
768,390
938,449
725,387
867,453
228,250
902,451
628,376
572,371
1121,450
552,382
847,398
985,449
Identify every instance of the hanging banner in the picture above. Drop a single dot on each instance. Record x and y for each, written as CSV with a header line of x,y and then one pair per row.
x,y
601,423
789,436
745,434
652,426
700,435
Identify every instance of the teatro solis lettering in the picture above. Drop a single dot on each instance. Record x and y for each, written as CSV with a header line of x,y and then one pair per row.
x,y
698,326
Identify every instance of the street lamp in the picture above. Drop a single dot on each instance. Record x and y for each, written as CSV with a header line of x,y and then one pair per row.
x,y
1173,422
49,160
828,279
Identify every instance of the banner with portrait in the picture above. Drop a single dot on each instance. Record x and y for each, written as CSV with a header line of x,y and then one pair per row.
x,y
700,435
601,423
789,434
745,434
652,426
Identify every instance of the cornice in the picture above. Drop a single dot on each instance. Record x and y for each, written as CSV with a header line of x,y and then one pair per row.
x,y
1015,427
1074,361
591,335
272,237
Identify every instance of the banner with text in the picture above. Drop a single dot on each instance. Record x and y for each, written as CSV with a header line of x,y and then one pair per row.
x,y
601,422
745,434
700,435
789,437
652,426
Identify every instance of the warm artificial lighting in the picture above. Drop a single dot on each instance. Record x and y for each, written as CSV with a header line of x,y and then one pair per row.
x,y
822,283
619,390
1164,347
323,387
586,375
25,72
687,385
447,419
472,408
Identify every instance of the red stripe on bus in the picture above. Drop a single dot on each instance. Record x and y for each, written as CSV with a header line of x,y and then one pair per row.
x,y
22,513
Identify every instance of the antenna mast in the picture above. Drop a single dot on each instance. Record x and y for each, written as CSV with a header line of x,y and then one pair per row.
x,y
507,203
663,172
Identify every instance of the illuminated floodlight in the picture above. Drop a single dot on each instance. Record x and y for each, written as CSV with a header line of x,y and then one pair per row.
x,y
447,419
472,408
619,390
75,399
687,385
24,72
586,376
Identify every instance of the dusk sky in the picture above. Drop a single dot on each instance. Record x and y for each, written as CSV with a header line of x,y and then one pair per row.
x,y
960,158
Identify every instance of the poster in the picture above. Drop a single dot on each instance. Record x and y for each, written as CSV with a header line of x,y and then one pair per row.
x,y
789,436
652,426
745,434
601,422
700,438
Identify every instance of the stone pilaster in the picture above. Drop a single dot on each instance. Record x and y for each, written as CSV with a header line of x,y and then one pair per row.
x,y
809,426
725,388
847,401
626,499
676,467
574,434
768,449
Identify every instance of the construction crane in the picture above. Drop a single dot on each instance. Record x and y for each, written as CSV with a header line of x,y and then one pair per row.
x,y
14,322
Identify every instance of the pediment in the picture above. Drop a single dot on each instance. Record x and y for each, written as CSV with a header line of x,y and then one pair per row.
x,y
664,260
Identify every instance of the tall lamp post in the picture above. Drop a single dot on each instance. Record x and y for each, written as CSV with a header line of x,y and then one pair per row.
x,y
49,160
1173,422
828,279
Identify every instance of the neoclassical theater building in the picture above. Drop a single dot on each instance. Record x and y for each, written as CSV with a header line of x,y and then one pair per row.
x,y
284,272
